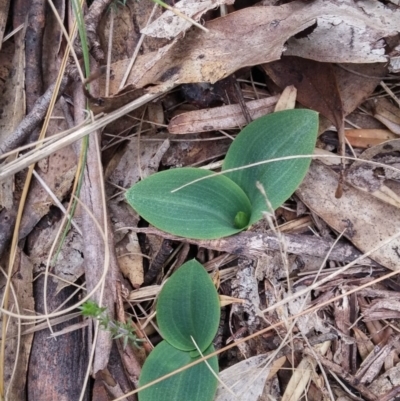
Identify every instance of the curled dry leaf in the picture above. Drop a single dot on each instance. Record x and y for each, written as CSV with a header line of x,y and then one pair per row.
x,y
257,35
315,83
366,138
365,226
247,378
251,36
387,113
130,259
364,345
217,118
347,31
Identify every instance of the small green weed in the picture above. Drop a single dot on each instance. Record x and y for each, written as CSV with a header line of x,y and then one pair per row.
x,y
117,329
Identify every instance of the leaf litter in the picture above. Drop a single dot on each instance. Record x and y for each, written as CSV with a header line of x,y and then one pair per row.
x,y
342,59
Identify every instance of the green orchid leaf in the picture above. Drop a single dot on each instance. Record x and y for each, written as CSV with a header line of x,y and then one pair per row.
x,y
284,133
195,384
188,306
204,210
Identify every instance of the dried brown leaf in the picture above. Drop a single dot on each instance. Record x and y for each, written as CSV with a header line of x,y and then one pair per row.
x,y
366,138
220,118
365,220
347,32
12,107
257,35
140,159
315,83
248,37
130,259
387,113
247,378
22,281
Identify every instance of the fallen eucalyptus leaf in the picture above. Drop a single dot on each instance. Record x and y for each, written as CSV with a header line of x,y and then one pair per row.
x,y
346,32
247,378
367,220
220,118
315,83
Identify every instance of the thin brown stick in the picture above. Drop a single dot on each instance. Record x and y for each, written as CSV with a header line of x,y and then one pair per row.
x,y
256,244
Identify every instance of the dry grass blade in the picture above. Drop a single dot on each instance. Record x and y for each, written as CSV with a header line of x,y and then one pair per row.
x,y
74,136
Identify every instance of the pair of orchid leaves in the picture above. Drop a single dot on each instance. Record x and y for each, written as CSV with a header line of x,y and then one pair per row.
x,y
269,154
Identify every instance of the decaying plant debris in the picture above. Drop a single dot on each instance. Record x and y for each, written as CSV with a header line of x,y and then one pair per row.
x,y
310,295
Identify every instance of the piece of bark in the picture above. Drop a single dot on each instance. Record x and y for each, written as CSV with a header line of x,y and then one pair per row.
x,y
33,52
17,348
256,244
354,312
57,366
4,6
371,366
94,251
12,100
245,286
7,221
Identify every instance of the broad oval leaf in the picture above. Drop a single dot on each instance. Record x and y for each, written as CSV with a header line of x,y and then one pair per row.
x,y
188,306
203,210
195,384
285,133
